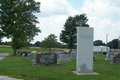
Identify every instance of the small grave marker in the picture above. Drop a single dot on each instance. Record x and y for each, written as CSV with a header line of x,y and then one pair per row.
x,y
64,57
73,55
110,56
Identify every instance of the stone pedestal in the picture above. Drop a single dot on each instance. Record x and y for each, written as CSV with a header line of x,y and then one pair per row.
x,y
84,50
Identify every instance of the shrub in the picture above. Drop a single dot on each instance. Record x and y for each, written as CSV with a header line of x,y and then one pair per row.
x,y
104,53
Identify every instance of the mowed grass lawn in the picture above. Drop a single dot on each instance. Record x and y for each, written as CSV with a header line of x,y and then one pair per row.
x,y
21,67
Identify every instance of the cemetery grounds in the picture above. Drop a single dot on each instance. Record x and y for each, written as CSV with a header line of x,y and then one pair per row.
x,y
21,67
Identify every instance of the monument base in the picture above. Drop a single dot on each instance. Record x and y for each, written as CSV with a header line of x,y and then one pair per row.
x,y
34,64
92,73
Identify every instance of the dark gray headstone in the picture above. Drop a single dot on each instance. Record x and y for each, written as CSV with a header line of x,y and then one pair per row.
x,y
43,58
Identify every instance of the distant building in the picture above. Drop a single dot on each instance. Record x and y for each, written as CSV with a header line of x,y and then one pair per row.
x,y
100,49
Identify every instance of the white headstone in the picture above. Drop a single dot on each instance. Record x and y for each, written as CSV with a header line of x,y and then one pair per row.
x,y
64,57
30,56
58,54
34,58
23,54
73,55
110,56
84,50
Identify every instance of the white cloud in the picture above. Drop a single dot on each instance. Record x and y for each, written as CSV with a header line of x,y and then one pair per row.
x,y
102,8
50,25
53,16
55,7
104,17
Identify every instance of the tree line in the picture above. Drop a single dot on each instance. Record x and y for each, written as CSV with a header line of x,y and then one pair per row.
x,y
45,43
114,44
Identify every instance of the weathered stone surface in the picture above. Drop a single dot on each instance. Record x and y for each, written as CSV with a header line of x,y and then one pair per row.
x,y
84,50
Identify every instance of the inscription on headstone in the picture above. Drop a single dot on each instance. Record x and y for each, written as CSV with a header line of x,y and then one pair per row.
x,y
42,60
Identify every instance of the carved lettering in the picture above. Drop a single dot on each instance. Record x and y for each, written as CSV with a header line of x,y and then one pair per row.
x,y
85,36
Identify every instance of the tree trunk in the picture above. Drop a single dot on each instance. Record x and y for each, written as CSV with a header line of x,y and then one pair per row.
x,y
14,54
50,49
70,50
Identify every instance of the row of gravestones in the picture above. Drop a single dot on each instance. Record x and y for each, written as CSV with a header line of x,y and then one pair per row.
x,y
60,56
111,56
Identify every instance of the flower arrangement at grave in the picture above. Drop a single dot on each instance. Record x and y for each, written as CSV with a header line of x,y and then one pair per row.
x,y
50,58
65,52
33,52
117,54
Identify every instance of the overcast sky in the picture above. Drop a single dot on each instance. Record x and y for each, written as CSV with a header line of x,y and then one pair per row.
x,y
103,15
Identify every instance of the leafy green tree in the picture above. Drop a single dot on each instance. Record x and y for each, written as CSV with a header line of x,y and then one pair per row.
x,y
30,44
99,43
0,39
110,44
19,43
113,44
37,43
68,35
1,36
18,20
49,42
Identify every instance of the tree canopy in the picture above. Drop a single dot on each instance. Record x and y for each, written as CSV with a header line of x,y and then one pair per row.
x,y
37,44
49,42
18,20
99,43
68,35
113,44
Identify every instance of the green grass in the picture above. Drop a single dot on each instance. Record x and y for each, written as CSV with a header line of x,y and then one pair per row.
x,y
21,67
